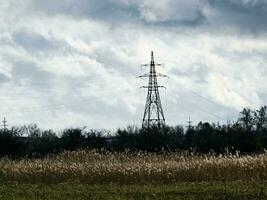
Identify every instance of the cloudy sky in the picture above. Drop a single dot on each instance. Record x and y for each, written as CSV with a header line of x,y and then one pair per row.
x,y
69,63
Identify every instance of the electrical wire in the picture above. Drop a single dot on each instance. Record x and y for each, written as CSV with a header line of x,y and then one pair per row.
x,y
101,86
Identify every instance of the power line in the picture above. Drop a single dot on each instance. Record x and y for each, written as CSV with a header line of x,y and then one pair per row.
x,y
199,95
88,101
89,79
99,86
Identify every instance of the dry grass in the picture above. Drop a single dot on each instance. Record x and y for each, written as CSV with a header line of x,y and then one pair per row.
x,y
128,168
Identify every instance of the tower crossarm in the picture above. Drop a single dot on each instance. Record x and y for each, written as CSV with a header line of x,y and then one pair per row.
x,y
148,75
148,65
156,86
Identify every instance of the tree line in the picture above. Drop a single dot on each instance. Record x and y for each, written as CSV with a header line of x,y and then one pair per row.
x,y
248,134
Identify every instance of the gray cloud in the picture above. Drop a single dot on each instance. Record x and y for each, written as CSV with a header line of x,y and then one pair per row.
x,y
115,12
34,43
107,10
246,17
3,78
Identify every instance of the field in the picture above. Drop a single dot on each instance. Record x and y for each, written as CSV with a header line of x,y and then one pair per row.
x,y
140,175
196,191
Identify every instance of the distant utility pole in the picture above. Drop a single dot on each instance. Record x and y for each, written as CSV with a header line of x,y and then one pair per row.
x,y
4,124
153,114
189,127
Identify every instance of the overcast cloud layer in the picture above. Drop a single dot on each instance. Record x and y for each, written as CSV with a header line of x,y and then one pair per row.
x,y
70,63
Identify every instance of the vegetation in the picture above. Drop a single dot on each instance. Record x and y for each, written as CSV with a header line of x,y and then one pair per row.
x,y
180,191
93,167
139,175
247,134
208,161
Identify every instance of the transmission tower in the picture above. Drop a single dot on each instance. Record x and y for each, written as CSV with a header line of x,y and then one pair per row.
x,y
189,127
153,114
4,124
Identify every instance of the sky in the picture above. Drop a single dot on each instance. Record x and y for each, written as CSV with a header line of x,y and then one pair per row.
x,y
68,63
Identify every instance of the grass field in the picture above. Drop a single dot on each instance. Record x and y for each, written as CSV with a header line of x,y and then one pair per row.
x,y
104,175
186,191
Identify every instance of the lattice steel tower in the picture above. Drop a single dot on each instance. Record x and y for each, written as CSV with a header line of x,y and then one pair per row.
x,y
153,114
